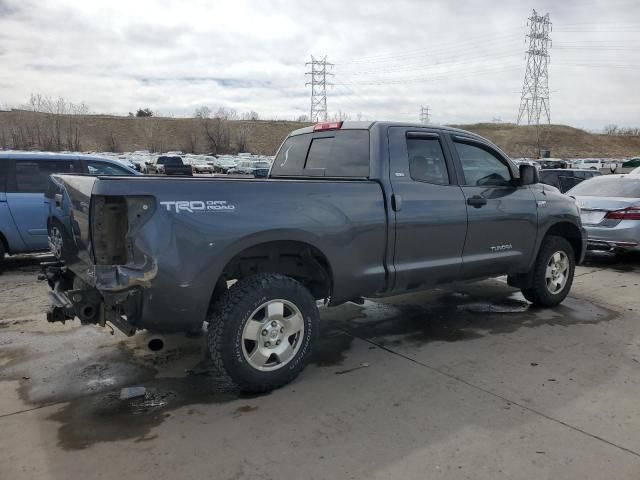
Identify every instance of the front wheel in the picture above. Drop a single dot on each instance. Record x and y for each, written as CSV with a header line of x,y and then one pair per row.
x,y
552,274
262,332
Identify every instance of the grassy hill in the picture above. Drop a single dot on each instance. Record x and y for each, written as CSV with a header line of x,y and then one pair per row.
x,y
23,129
563,141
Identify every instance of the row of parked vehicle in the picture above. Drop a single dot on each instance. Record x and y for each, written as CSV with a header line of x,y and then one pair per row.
x,y
613,165
187,164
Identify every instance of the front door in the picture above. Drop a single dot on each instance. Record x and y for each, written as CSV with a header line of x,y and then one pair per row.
x,y
503,217
429,209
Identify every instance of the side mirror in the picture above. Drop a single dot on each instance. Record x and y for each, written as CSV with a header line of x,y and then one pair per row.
x,y
529,175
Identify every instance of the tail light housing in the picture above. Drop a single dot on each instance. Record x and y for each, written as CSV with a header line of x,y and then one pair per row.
x,y
629,213
114,220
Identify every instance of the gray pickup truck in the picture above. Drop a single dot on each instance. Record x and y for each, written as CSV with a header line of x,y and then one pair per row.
x,y
350,210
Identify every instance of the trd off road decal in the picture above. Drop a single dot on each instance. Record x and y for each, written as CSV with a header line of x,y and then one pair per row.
x,y
197,206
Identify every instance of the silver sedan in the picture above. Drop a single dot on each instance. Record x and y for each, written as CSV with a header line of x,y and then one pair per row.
x,y
610,211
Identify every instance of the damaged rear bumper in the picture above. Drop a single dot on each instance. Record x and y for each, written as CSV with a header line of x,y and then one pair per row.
x,y
71,297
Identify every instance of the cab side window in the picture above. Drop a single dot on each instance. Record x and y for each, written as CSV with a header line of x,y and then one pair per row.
x,y
482,168
426,161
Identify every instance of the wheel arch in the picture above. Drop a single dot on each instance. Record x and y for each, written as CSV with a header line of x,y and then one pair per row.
x,y
570,232
564,229
294,254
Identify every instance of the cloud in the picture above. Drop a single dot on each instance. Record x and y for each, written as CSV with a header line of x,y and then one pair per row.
x,y
465,59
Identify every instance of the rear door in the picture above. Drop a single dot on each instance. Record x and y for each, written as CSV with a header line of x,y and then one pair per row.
x,y
26,199
429,208
502,216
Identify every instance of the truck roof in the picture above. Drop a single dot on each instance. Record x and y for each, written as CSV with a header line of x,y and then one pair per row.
x,y
367,125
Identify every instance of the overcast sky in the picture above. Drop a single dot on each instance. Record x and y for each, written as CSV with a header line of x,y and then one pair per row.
x,y
463,58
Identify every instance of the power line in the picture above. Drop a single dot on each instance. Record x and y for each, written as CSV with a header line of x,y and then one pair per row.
x,y
534,101
318,81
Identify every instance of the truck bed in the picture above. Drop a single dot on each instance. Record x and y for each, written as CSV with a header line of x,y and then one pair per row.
x,y
188,232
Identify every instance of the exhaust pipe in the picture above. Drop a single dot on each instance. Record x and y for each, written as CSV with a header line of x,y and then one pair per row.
x,y
156,343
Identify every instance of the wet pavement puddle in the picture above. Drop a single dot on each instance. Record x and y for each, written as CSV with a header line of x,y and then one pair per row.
x,y
85,368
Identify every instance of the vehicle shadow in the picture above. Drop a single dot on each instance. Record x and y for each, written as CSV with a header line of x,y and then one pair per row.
x,y
623,262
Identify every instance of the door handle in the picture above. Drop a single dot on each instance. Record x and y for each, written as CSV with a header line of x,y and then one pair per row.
x,y
396,202
476,201
58,198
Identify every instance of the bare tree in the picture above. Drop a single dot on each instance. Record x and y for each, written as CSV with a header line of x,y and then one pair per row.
x,y
190,144
611,129
227,113
152,135
217,132
242,138
252,116
112,144
202,112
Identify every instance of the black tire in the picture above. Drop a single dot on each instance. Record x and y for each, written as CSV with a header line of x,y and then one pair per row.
x,y
539,293
228,348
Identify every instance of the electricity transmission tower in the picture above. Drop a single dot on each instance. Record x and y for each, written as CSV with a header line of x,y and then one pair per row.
x,y
424,114
318,81
534,101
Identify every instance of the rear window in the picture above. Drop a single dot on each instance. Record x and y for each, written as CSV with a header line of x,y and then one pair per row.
x,y
342,153
613,186
170,161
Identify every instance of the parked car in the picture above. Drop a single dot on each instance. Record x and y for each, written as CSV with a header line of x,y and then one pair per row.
x,y
261,169
564,178
589,163
139,165
630,166
351,210
222,165
610,211
526,161
169,165
125,160
243,167
200,165
24,178
549,163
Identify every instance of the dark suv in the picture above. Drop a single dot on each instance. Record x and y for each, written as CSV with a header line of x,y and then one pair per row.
x,y
565,179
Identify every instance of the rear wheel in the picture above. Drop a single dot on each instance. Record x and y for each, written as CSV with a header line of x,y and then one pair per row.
x,y
262,332
553,273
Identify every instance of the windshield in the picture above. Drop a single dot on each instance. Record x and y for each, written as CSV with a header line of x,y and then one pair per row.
x,y
608,186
